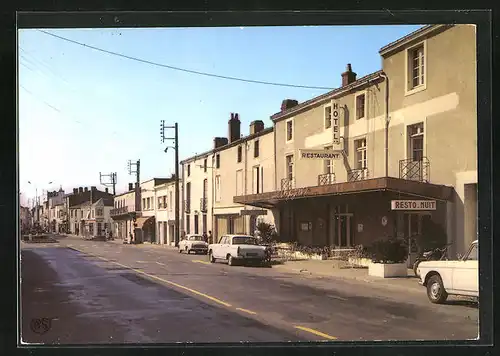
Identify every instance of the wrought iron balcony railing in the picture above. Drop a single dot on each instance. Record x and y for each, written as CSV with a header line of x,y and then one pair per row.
x,y
357,174
326,179
203,205
119,211
415,170
287,183
187,206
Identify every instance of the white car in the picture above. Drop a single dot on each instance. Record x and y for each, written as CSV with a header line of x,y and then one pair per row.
x,y
237,248
459,277
193,243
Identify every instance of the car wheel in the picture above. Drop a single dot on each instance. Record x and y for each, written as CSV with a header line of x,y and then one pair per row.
x,y
435,290
211,257
230,261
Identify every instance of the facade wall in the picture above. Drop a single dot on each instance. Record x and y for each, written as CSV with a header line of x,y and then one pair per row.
x,y
165,213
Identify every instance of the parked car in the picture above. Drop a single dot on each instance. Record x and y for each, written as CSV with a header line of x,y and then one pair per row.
x,y
237,248
458,277
193,243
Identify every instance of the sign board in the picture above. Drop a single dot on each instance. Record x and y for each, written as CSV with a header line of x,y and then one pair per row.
x,y
360,227
413,205
336,123
253,212
321,154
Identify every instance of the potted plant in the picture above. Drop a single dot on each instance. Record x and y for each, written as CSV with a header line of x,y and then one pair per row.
x,y
388,258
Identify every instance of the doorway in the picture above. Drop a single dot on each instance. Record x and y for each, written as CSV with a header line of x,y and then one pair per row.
x,y
343,230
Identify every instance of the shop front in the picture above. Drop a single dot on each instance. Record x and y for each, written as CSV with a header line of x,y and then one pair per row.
x,y
348,214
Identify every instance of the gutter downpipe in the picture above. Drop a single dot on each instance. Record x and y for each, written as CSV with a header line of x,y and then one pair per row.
x,y
383,75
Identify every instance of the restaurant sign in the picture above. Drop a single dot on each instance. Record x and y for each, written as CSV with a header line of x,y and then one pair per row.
x,y
413,205
321,154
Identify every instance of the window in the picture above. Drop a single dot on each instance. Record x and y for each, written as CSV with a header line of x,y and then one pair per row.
x,y
289,167
289,130
217,161
99,212
328,117
256,148
91,229
196,223
416,142
92,213
473,254
164,202
360,106
188,225
171,201
360,153
256,180
262,179
71,213
148,203
328,162
188,170
240,153
160,203
416,70
217,189
144,203
205,165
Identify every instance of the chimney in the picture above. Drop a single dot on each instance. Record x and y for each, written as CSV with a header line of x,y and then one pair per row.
x,y
220,141
136,185
131,186
86,189
93,189
80,190
348,76
256,126
288,104
106,190
75,190
234,128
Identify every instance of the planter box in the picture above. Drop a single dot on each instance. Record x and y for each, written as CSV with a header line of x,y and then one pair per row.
x,y
383,270
363,262
305,256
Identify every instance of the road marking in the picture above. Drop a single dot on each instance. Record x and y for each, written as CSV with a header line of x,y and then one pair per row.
x,y
285,285
169,282
316,332
141,261
336,297
246,311
200,261
162,264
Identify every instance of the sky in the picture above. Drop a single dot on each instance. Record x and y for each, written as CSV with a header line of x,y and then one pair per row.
x,y
82,111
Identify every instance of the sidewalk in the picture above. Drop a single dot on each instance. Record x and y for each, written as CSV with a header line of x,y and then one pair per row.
x,y
328,269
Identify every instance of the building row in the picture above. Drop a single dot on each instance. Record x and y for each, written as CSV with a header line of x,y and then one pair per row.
x,y
332,170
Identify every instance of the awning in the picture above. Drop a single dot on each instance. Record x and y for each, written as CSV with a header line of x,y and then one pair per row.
x,y
408,187
142,221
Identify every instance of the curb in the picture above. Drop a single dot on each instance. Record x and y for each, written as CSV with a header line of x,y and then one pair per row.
x,y
376,283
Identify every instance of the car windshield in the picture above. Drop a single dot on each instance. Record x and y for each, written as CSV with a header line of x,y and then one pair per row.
x,y
196,238
244,240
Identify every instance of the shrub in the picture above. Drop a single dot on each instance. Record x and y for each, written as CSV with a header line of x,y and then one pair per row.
x,y
267,232
389,251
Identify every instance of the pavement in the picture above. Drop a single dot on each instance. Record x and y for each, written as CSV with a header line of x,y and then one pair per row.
x,y
150,293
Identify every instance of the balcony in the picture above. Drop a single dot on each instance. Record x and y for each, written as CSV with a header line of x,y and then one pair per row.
x,y
119,211
355,175
287,183
203,205
187,206
415,170
326,179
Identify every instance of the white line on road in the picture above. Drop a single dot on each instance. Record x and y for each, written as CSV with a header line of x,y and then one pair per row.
x,y
336,297
141,261
162,264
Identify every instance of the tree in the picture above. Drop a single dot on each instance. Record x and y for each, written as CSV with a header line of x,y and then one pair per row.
x,y
267,232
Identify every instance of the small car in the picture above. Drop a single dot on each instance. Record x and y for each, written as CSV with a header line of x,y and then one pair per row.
x,y
193,243
237,248
459,277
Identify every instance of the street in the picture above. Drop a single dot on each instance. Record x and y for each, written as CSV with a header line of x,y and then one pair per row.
x,y
105,292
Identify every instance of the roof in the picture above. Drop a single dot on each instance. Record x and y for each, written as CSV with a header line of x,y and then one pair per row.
x,y
421,32
229,145
335,93
119,195
84,204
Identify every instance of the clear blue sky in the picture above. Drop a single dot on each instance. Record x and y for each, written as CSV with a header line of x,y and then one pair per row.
x,y
82,111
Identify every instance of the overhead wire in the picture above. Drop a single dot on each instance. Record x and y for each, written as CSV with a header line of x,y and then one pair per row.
x,y
183,69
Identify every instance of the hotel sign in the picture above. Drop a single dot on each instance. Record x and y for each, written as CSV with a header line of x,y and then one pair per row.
x,y
321,154
335,123
413,205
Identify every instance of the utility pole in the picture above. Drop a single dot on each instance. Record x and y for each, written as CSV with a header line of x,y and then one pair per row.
x,y
177,178
137,173
112,182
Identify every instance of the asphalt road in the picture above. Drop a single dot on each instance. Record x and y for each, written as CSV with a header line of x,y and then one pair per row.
x,y
102,292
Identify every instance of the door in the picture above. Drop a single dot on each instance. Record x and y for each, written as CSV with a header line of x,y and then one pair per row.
x,y
204,223
466,273
238,226
343,225
219,247
222,228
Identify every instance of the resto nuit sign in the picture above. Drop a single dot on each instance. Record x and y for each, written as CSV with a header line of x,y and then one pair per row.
x,y
336,123
413,205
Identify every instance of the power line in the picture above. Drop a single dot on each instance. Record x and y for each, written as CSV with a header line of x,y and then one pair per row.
x,y
183,69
